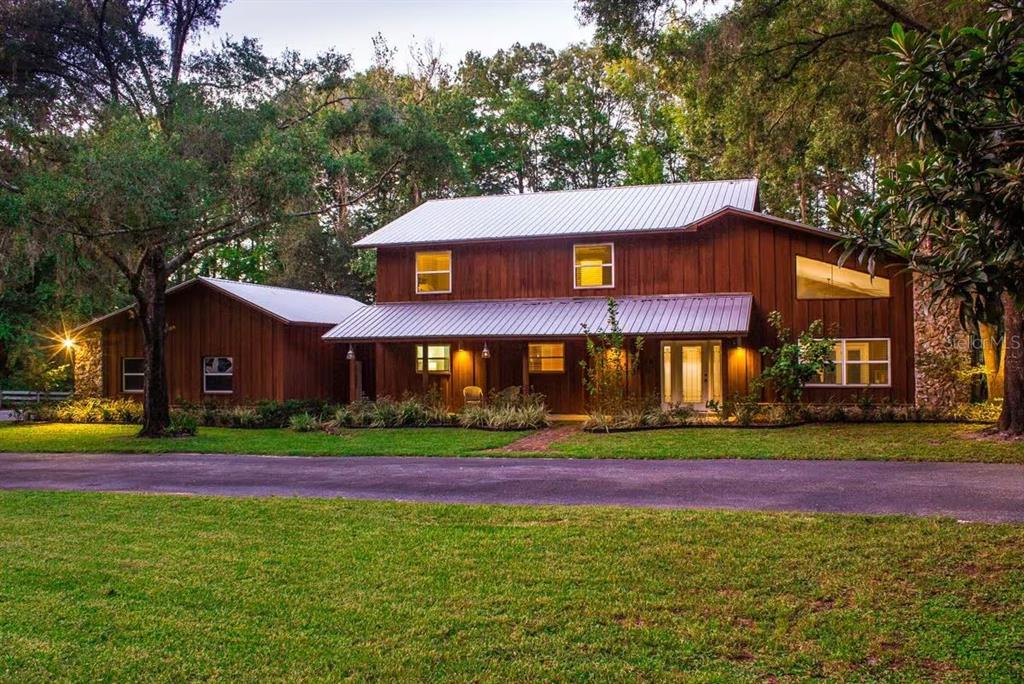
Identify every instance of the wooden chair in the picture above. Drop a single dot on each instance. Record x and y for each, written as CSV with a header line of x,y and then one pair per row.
x,y
473,395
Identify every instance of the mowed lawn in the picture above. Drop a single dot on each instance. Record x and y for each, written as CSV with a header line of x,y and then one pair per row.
x,y
870,441
63,437
894,441
118,587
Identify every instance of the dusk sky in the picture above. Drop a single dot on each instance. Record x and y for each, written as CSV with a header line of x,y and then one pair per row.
x,y
453,25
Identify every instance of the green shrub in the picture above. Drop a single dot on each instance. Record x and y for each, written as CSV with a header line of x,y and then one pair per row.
x,y
303,422
183,424
507,409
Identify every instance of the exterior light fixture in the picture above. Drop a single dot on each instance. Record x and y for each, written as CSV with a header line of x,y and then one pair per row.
x,y
486,353
351,355
68,343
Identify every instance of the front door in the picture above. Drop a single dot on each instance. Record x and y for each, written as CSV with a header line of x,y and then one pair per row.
x,y
691,372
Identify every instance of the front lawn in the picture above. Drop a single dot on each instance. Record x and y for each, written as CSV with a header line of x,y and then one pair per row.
x,y
870,441
132,587
59,437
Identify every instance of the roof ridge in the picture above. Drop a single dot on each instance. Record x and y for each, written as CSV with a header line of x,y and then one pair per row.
x,y
546,300
271,287
607,187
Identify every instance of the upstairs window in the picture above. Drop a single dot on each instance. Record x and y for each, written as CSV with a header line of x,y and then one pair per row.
x,y
546,358
859,363
436,358
594,266
133,373
433,272
821,280
218,375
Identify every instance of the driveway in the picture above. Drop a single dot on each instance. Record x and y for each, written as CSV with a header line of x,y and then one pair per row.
x,y
966,491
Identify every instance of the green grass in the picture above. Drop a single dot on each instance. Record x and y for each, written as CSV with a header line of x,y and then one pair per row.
x,y
112,587
121,439
893,441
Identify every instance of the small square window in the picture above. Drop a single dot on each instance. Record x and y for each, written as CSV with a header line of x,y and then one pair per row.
x,y
133,375
433,272
593,266
218,374
546,357
438,358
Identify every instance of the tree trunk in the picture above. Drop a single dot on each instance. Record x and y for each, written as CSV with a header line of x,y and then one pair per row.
x,y
1012,419
993,362
151,295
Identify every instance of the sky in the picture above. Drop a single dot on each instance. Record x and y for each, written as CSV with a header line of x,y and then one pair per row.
x,y
454,26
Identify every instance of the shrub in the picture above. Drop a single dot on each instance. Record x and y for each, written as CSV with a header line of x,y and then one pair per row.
x,y
303,422
183,424
508,409
85,411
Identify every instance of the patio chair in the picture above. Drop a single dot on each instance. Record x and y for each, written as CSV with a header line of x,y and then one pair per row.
x,y
473,396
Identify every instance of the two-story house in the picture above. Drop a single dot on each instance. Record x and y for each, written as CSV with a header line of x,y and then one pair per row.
x,y
493,291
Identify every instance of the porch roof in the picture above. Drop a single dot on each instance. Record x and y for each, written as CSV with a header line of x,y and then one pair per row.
x,y
693,315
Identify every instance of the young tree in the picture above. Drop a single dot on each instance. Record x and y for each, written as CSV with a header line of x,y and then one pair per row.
x,y
955,214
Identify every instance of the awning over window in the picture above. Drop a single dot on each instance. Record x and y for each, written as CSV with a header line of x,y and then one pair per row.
x,y
715,315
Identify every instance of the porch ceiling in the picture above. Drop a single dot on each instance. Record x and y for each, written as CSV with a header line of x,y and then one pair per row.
x,y
703,315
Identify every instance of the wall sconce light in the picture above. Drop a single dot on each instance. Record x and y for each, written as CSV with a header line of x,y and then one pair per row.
x,y
68,343
351,355
486,353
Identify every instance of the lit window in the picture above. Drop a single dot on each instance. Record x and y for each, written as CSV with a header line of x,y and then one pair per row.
x,y
594,265
546,358
433,272
218,375
437,357
133,373
859,363
820,280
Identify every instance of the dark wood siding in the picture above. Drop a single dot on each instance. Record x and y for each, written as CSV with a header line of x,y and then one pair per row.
x,y
273,360
733,254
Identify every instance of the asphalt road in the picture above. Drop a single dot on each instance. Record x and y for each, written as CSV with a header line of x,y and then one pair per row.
x,y
966,491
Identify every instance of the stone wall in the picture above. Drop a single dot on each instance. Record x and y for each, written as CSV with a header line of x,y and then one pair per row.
x,y
941,350
88,365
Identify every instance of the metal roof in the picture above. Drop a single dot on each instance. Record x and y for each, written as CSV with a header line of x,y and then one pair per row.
x,y
626,209
684,315
286,304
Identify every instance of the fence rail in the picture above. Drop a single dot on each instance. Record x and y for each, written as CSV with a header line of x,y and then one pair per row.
x,y
28,397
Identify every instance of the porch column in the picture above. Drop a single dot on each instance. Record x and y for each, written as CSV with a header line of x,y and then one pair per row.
x,y
526,368
353,382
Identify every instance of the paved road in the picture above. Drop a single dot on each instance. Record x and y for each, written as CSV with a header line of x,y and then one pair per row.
x,y
966,491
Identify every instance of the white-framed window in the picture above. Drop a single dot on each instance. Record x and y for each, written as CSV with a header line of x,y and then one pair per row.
x,y
133,373
436,358
860,362
218,375
433,272
546,357
593,266
822,280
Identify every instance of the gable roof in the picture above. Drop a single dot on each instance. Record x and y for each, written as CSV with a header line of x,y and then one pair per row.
x,y
683,315
286,304
626,209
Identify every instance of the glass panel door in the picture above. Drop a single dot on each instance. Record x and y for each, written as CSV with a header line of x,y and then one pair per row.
x,y
691,372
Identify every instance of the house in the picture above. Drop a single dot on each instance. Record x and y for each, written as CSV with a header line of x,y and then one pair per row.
x,y
492,291
229,342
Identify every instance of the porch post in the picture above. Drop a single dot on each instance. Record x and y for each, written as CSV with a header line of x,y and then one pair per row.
x,y
526,368
353,384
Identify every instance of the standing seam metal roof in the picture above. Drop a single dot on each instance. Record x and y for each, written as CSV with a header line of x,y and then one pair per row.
x,y
623,209
697,314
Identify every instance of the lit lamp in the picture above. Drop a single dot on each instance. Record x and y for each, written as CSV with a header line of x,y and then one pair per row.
x,y
351,355
68,343
486,353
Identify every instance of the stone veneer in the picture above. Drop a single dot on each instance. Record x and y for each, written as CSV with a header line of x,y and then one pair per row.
x,y
88,366
941,347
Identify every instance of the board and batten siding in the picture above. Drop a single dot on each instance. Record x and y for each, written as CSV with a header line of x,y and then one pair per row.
x,y
272,359
731,254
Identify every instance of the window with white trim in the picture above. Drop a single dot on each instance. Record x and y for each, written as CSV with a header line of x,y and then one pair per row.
x,y
865,362
433,272
437,358
594,266
546,357
218,375
133,374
